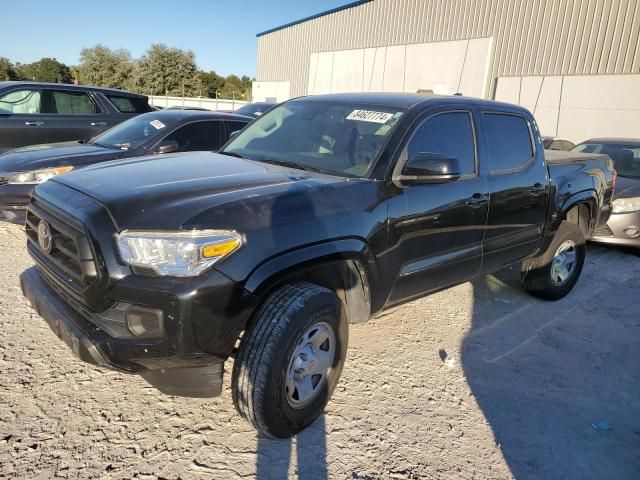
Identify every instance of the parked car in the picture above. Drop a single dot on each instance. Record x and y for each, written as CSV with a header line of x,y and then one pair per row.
x,y
554,143
255,109
34,113
623,228
147,134
181,107
324,211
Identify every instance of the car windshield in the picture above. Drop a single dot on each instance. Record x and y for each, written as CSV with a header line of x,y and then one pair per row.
x,y
625,156
336,138
133,133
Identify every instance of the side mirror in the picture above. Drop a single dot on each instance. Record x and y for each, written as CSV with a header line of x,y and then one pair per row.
x,y
234,134
430,168
167,146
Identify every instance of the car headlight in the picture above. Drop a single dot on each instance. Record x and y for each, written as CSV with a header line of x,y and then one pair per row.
x,y
39,176
626,205
177,254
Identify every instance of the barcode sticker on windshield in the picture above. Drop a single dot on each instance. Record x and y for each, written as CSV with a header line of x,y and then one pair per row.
x,y
157,124
369,116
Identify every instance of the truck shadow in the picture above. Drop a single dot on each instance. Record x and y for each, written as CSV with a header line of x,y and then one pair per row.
x,y
275,456
558,381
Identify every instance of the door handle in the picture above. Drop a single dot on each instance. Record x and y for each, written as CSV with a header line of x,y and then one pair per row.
x,y
98,124
537,189
477,200
34,124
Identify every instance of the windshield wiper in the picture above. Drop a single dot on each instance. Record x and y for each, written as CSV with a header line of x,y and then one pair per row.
x,y
287,163
231,154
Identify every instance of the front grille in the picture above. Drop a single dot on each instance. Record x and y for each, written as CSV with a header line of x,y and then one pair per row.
x,y
603,231
69,262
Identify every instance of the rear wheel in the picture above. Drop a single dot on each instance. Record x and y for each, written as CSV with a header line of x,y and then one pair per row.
x,y
553,274
290,359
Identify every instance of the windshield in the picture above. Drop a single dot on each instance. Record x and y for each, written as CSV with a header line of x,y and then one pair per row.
x,y
335,138
625,156
132,133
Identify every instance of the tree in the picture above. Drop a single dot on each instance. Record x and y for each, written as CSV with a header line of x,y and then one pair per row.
x,y
168,71
7,70
212,83
104,67
233,88
45,70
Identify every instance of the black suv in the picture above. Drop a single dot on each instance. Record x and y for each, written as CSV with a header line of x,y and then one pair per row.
x,y
32,113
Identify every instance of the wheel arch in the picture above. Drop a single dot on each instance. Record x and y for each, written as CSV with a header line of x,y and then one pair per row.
x,y
347,267
579,209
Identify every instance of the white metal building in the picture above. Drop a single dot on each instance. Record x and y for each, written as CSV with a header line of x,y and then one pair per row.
x,y
574,63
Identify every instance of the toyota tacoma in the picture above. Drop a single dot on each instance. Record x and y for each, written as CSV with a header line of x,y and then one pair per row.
x,y
324,211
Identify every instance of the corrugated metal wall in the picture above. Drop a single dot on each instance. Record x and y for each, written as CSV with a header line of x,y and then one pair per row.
x,y
532,37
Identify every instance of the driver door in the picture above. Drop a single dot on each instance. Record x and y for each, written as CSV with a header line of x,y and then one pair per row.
x,y
436,230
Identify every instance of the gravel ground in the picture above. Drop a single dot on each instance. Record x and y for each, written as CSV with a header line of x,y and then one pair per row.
x,y
479,381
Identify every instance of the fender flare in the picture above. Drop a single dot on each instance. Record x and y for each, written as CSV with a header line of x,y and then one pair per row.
x,y
584,197
351,253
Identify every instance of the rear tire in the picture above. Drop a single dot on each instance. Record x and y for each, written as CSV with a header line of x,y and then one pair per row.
x,y
290,359
554,273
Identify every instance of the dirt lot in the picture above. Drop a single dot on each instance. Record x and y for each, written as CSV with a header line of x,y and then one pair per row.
x,y
480,381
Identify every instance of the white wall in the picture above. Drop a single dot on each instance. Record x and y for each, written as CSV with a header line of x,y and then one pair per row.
x,y
209,103
578,107
443,67
270,91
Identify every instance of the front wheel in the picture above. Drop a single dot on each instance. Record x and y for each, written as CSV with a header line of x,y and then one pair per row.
x,y
554,273
290,359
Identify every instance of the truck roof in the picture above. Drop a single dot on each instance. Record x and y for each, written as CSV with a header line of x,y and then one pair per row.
x,y
406,100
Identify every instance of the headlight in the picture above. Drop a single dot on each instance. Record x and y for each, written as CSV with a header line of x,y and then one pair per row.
x,y
39,176
626,205
177,254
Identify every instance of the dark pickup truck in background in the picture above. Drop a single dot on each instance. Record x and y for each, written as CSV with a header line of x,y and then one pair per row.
x,y
33,113
325,210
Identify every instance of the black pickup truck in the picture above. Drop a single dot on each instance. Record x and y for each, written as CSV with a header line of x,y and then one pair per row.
x,y
324,211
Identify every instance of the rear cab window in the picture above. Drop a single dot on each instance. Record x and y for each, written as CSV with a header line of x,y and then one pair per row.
x,y
23,101
129,104
510,142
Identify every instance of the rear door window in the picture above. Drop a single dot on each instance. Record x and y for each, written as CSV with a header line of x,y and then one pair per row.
x,y
448,134
64,102
129,104
509,142
198,136
20,101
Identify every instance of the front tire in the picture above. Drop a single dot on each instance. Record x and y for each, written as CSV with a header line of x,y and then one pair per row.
x,y
290,359
554,273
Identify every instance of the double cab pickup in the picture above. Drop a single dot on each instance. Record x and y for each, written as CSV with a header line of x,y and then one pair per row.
x,y
322,212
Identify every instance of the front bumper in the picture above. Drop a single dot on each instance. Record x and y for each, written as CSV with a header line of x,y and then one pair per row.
x,y
68,325
14,199
619,230
186,361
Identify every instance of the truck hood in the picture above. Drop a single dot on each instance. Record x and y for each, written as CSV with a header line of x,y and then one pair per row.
x,y
198,190
627,187
49,155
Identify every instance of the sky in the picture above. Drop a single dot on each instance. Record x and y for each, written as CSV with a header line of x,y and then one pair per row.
x,y
222,34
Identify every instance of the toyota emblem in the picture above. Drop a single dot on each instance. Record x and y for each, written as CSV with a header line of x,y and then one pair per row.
x,y
45,240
